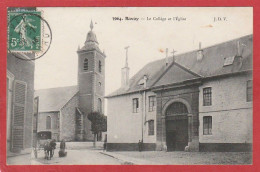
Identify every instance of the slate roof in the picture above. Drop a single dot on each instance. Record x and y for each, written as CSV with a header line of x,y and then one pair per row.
x,y
214,56
53,99
188,67
152,70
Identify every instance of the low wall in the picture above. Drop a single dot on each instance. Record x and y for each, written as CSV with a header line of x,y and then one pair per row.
x,y
130,147
225,147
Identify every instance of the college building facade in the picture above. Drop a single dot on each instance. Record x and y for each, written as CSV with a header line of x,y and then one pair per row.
x,y
196,101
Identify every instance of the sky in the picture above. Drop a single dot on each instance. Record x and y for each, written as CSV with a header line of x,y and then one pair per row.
x,y
147,39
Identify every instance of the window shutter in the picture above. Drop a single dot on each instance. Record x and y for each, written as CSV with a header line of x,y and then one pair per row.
x,y
18,114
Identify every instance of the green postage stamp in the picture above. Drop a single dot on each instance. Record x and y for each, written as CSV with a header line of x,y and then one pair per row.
x,y
24,31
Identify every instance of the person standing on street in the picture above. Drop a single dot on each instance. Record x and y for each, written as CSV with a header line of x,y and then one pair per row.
x,y
140,145
105,143
62,152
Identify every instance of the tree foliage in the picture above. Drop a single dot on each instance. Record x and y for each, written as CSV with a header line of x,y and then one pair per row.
x,y
98,122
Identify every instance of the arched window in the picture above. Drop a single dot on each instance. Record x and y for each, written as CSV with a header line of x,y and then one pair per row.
x,y
48,122
99,66
177,108
99,105
85,64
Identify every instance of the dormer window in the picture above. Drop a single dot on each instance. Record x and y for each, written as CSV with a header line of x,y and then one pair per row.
x,y
141,82
229,61
85,66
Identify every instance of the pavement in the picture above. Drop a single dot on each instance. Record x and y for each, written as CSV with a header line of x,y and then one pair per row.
x,y
182,158
74,157
86,154
98,157
78,153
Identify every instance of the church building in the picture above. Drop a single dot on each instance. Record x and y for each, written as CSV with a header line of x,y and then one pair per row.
x,y
195,101
64,110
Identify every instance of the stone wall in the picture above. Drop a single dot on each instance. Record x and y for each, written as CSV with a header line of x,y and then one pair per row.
x,y
188,95
68,119
86,83
55,123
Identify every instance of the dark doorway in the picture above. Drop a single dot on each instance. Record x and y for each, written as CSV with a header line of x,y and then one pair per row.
x,y
176,127
171,140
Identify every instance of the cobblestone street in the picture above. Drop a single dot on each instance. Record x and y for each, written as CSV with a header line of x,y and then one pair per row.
x,y
183,158
98,157
74,157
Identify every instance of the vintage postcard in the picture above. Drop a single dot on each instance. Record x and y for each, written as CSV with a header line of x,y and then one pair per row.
x,y
129,85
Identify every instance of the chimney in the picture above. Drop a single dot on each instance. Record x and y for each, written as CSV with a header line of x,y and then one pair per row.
x,y
173,58
125,72
199,53
239,52
166,58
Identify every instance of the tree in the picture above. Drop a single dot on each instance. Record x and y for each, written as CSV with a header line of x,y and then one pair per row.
x,y
98,124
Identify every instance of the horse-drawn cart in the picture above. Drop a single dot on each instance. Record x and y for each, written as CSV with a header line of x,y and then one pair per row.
x,y
44,143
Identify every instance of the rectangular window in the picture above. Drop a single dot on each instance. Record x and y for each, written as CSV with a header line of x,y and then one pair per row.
x,y
135,105
207,125
249,91
207,96
151,127
152,103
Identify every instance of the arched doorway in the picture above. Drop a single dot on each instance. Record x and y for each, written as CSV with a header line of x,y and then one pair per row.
x,y
176,126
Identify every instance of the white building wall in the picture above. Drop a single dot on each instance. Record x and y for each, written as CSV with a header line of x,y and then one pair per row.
x,y
150,115
231,113
124,126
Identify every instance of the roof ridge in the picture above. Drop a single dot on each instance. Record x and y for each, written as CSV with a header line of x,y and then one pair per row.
x,y
214,45
68,100
144,66
187,52
188,70
164,72
168,68
191,67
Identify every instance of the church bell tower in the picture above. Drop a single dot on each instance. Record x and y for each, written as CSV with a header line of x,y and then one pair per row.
x,y
91,83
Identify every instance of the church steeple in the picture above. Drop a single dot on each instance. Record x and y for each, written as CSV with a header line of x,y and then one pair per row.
x,y
91,36
91,82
